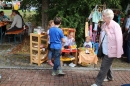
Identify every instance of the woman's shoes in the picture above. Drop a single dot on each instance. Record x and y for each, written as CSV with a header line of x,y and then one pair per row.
x,y
93,85
106,80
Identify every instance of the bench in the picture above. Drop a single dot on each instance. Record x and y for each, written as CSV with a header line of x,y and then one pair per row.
x,y
15,33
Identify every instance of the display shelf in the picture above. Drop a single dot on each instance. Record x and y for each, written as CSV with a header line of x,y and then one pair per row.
x,y
37,55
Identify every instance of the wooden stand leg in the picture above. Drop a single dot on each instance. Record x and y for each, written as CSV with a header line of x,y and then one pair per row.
x,y
61,63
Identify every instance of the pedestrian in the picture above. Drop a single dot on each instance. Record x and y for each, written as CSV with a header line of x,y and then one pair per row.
x,y
112,46
56,39
128,38
51,24
115,16
125,36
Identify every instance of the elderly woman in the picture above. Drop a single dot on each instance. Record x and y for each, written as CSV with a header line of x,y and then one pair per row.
x,y
112,46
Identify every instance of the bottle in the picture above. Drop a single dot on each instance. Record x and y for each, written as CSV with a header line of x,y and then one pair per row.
x,y
39,29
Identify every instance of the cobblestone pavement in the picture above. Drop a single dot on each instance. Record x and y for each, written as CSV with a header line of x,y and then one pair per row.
x,y
20,77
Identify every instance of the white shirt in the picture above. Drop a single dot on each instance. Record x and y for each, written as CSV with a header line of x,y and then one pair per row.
x,y
68,41
128,24
87,44
48,37
104,43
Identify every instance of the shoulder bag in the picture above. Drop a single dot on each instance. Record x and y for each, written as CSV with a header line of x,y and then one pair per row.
x,y
100,51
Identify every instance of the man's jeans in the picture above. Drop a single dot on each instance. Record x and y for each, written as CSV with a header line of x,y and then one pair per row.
x,y
56,54
128,49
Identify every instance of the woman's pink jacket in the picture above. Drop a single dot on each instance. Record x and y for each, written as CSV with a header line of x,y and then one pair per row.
x,y
115,39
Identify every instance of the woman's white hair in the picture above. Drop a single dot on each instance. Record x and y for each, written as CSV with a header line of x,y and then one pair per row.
x,y
108,13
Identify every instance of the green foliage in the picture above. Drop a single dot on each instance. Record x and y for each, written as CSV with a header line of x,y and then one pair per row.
x,y
115,4
73,12
124,4
35,18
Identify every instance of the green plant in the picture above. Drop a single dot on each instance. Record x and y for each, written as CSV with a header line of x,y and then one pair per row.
x,y
73,12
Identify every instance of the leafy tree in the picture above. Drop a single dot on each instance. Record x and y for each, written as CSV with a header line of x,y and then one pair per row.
x,y
75,12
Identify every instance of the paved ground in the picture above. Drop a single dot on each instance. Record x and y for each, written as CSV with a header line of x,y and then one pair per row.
x,y
41,75
18,77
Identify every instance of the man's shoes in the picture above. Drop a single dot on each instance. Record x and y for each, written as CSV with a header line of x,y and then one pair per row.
x,y
93,85
106,80
54,73
60,72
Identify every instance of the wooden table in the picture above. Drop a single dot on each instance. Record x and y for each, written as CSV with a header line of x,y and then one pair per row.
x,y
87,59
1,31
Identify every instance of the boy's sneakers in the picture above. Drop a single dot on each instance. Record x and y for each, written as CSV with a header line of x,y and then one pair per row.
x,y
54,73
60,72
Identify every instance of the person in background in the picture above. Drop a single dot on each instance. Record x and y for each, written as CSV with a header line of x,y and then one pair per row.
x,y
69,40
119,17
17,23
1,6
87,43
128,38
51,24
115,16
3,17
112,46
56,39
23,6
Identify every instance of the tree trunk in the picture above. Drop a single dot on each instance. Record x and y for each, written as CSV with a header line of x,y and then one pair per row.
x,y
44,15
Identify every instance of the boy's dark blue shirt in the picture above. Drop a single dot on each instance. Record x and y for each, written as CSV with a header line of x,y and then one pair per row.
x,y
56,34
